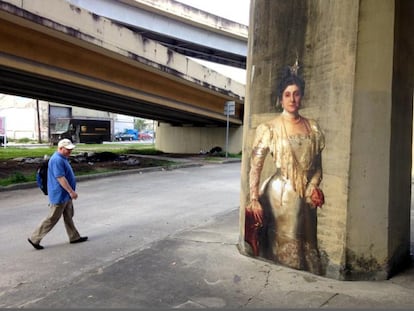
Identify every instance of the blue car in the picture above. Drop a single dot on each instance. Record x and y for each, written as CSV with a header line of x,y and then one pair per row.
x,y
127,135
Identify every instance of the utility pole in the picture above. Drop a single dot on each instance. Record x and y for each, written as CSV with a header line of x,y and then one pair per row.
x,y
38,122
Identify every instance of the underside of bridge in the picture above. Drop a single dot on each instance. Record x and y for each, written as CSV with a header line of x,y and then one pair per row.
x,y
50,60
21,83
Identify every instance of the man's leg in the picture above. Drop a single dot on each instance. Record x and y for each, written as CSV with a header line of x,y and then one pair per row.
x,y
47,224
71,230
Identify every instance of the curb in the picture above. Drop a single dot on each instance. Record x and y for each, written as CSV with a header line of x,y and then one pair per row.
x,y
80,178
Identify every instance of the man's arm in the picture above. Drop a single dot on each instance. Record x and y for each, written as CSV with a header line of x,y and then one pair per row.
x,y
65,185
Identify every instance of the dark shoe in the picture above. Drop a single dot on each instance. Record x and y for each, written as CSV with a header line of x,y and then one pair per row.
x,y
37,246
80,240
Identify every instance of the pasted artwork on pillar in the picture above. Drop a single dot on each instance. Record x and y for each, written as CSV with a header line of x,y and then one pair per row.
x,y
281,215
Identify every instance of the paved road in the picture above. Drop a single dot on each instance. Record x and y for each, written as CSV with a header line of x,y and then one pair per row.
x,y
170,248
121,215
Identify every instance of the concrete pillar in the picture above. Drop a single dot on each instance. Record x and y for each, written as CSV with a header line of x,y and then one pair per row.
x,y
189,139
357,61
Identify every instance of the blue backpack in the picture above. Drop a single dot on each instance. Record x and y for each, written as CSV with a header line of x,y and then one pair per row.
x,y
41,176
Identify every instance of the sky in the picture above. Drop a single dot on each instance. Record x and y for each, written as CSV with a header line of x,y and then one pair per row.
x,y
234,10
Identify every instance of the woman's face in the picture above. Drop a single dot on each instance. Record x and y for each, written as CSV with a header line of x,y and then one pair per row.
x,y
291,98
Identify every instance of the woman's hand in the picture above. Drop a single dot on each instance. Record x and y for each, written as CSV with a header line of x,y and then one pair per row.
x,y
315,197
257,211
253,222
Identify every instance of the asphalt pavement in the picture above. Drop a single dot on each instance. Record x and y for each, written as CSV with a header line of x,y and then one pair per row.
x,y
201,267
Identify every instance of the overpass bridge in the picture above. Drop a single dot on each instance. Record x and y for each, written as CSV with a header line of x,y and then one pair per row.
x,y
183,29
66,54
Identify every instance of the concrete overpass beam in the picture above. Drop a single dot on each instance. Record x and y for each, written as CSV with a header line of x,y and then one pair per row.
x,y
62,53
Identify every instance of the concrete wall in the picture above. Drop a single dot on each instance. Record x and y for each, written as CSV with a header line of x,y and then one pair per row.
x,y
367,217
326,49
379,208
21,117
347,50
123,122
401,139
177,139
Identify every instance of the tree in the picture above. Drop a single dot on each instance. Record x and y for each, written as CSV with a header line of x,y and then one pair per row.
x,y
140,124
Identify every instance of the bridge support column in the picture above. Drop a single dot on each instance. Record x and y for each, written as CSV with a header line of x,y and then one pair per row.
x,y
188,139
357,60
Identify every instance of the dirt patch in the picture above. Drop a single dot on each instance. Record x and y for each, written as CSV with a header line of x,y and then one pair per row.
x,y
17,168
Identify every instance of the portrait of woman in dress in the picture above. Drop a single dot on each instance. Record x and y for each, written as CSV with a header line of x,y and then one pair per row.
x,y
281,217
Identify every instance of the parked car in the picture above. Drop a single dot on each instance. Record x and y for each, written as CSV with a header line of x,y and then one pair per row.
x,y
145,136
123,136
129,134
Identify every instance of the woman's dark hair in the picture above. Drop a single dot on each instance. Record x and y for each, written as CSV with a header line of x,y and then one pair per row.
x,y
290,78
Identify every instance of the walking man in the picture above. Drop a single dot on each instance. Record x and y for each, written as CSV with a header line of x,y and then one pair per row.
x,y
61,185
